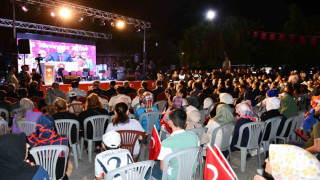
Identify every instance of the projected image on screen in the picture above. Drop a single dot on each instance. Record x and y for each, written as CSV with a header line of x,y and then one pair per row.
x,y
71,57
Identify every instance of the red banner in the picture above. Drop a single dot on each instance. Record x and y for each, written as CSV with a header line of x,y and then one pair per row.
x,y
302,40
282,37
263,35
292,38
272,36
313,40
255,34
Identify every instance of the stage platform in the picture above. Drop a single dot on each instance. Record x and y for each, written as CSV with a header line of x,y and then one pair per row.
x,y
87,85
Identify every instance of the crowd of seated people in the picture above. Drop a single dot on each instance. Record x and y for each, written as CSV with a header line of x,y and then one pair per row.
x,y
238,97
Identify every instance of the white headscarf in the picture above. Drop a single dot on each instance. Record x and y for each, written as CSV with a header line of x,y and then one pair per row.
x,y
272,103
25,105
226,98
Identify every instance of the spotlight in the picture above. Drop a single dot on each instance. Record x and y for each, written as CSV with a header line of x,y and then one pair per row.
x,y
120,24
138,30
53,14
112,24
65,13
80,19
102,23
25,8
211,15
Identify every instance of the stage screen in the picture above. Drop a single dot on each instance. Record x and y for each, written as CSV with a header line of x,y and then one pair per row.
x,y
70,56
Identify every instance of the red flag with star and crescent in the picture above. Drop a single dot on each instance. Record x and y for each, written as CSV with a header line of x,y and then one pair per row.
x,y
155,145
216,166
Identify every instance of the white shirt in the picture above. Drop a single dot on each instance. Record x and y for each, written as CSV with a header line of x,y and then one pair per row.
x,y
79,92
166,151
132,125
114,100
110,160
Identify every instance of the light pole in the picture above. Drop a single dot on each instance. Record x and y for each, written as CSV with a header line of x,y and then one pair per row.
x,y
14,19
144,52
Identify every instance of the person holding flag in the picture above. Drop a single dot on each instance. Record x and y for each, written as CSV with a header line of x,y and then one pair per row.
x,y
155,145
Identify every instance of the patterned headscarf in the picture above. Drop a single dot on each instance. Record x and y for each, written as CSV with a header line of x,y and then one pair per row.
x,y
244,110
292,162
45,133
147,99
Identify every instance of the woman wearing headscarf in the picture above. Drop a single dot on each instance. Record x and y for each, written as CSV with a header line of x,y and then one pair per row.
x,y
193,114
13,159
46,135
28,112
288,104
223,116
245,115
290,162
146,105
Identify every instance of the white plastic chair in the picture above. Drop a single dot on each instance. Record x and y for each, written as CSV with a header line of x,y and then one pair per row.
x,y
64,126
274,124
186,159
199,131
16,111
289,125
298,118
134,171
4,112
255,130
163,133
27,127
152,118
135,108
3,127
98,123
161,105
47,157
226,134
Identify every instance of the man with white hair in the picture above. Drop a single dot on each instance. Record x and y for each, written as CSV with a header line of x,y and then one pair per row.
x,y
293,78
96,88
113,157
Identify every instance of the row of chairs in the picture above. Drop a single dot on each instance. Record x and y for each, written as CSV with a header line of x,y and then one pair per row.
x,y
79,74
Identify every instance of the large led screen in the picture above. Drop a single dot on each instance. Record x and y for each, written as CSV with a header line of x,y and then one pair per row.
x,y
70,56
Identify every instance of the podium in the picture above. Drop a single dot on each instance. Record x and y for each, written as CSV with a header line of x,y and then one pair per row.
x,y
48,72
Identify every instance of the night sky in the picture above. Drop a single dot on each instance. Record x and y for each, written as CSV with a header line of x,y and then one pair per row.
x,y
170,18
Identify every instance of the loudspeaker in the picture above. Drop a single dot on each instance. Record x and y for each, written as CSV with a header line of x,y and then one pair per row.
x,y
24,46
70,79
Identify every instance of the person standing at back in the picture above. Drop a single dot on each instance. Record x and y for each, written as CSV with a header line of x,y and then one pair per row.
x,y
112,157
178,140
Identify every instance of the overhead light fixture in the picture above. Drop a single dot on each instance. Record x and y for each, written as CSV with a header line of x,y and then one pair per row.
x,y
25,8
120,24
65,13
112,24
138,30
102,23
81,19
52,14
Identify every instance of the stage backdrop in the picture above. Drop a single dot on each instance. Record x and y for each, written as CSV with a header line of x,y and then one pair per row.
x,y
71,56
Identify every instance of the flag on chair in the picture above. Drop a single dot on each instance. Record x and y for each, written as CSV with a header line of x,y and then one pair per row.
x,y
155,145
216,166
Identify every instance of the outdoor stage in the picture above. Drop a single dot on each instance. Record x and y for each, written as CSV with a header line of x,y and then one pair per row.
x,y
87,85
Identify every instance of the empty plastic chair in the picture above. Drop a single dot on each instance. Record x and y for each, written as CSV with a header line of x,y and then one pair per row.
x,y
47,157
161,105
288,126
64,126
129,139
186,160
134,171
79,73
27,127
98,123
226,131
73,73
4,114
65,73
273,123
3,127
255,131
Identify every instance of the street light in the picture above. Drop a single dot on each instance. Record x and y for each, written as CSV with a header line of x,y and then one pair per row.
x,y
211,15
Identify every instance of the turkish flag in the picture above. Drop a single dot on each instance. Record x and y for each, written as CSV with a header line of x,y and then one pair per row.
x,y
155,145
255,34
302,40
264,35
313,40
282,37
272,36
292,38
217,167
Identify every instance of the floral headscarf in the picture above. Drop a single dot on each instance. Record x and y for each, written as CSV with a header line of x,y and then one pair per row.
x,y
292,162
147,99
244,110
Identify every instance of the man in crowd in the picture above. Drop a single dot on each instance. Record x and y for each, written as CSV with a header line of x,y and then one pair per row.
x,y
206,88
127,88
56,90
3,103
178,140
24,75
196,89
113,157
75,88
159,89
33,90
293,78
313,144
96,88
36,77
144,85
120,97
11,77
111,91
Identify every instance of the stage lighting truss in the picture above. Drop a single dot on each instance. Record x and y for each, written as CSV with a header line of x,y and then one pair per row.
x,y
91,12
53,29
